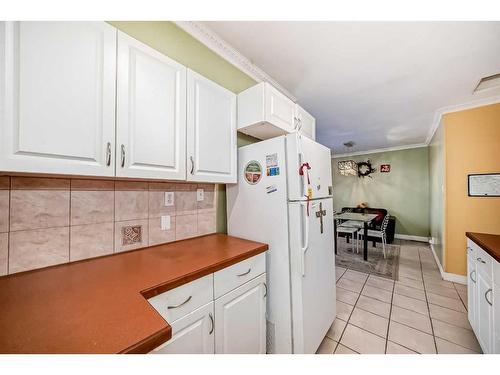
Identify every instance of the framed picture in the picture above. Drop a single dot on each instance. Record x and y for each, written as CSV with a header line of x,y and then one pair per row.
x,y
385,168
483,185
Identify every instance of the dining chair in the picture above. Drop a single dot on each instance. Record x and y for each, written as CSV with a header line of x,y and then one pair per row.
x,y
347,230
380,233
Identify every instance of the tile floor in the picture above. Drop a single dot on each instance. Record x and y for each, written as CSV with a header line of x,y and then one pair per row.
x,y
418,313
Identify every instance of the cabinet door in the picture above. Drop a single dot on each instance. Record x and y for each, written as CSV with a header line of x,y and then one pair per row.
x,y
192,334
57,91
472,291
211,131
484,319
496,318
280,110
151,113
240,319
307,123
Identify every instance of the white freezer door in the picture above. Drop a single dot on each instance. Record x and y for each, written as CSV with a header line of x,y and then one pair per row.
x,y
312,273
300,149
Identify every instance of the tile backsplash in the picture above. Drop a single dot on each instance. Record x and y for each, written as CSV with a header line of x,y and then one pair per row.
x,y
48,221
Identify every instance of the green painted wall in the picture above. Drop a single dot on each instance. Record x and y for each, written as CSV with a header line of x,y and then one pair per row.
x,y
404,192
169,39
437,191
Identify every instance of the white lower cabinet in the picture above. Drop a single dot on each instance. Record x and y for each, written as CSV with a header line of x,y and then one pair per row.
x,y
482,292
472,289
235,322
484,311
240,319
192,334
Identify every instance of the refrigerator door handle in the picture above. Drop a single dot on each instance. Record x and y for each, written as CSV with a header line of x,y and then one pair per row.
x,y
306,237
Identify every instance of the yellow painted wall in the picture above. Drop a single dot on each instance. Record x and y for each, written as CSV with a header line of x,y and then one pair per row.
x,y
472,139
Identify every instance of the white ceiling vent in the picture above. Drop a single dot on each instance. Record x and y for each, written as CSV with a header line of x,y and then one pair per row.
x,y
489,82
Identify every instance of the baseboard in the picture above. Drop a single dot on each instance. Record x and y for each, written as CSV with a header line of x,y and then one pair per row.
x,y
453,277
411,238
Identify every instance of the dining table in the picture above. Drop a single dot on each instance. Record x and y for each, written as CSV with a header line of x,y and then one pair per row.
x,y
364,219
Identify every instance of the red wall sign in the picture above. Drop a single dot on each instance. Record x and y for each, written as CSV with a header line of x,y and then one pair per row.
x,y
385,168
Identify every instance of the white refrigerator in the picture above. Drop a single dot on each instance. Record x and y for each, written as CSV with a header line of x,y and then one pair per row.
x,y
283,198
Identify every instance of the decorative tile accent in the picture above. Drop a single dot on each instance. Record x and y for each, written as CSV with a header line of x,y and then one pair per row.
x,y
91,207
4,253
92,240
4,210
157,235
39,248
119,246
35,209
131,205
38,183
92,185
131,235
186,226
4,182
131,185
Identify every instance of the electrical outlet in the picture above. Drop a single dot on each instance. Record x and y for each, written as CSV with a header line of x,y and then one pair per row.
x,y
165,222
200,195
169,198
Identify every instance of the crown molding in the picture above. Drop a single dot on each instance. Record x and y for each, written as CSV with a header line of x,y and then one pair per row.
x,y
455,108
378,150
213,41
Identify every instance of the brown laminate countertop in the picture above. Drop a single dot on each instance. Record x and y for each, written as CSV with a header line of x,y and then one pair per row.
x,y
488,242
99,305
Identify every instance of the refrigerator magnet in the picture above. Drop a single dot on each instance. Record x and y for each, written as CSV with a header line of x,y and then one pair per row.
x,y
253,172
271,189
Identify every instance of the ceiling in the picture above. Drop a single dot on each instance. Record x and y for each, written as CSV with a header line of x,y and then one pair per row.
x,y
378,84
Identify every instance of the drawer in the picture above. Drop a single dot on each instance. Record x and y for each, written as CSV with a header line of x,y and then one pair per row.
x,y
484,262
471,249
182,300
496,274
232,277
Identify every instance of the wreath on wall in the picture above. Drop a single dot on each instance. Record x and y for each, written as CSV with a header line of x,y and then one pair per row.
x,y
365,169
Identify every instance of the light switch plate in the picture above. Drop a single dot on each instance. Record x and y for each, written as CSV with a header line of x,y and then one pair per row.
x,y
169,198
200,195
165,222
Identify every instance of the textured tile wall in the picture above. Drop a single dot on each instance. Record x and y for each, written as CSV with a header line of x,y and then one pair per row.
x,y
48,221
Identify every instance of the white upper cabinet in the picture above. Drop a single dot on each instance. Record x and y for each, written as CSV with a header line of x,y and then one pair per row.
x,y
264,112
57,92
306,122
211,131
151,113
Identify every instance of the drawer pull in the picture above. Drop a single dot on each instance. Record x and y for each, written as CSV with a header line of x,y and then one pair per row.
x,y
180,304
212,322
486,297
246,273
480,260
265,294
123,155
474,271
108,154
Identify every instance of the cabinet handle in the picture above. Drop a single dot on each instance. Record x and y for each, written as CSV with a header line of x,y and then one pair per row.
x,y
480,260
108,154
246,273
486,297
469,248
265,294
212,322
180,304
473,271
123,156
192,164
